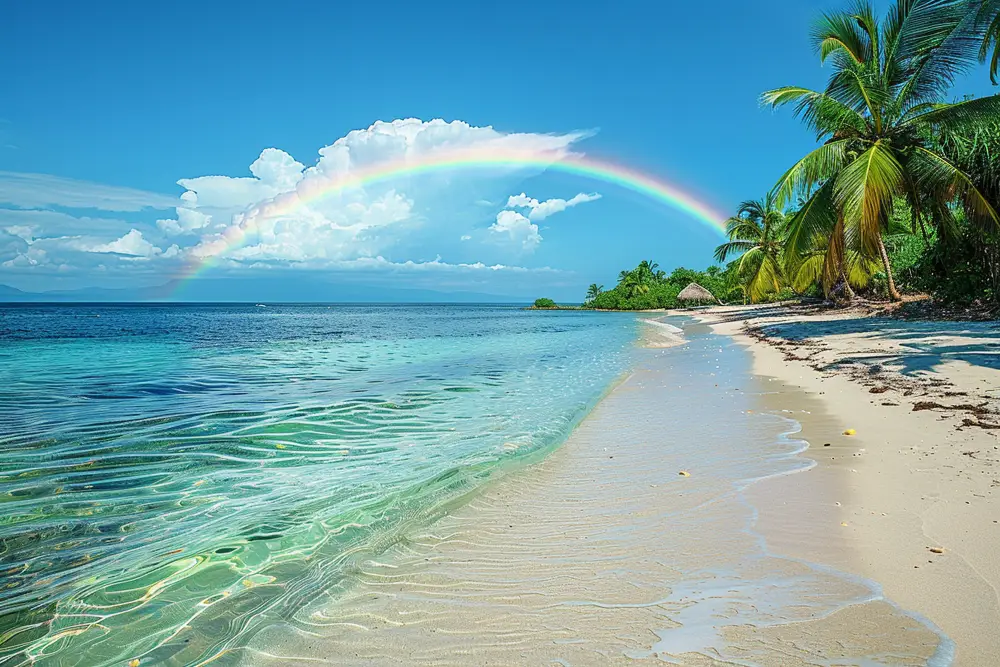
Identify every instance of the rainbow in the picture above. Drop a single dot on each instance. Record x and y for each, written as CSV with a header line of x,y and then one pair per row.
x,y
312,191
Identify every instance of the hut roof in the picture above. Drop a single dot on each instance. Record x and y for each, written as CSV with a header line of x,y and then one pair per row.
x,y
695,292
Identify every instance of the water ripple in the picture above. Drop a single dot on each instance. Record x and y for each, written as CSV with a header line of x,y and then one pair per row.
x,y
172,473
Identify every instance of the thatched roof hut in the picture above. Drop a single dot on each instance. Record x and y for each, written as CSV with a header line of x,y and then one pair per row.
x,y
697,293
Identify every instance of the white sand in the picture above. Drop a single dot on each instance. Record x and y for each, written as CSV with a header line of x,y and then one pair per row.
x,y
908,481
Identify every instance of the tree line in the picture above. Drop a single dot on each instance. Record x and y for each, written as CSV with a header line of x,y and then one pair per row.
x,y
903,191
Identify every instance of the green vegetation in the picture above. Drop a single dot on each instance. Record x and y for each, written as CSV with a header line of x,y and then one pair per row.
x,y
544,303
901,195
646,287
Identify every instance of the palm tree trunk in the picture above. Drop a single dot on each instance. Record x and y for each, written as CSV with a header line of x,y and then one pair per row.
x,y
923,230
893,292
848,290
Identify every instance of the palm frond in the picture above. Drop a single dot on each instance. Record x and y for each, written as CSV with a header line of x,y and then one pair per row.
x,y
864,191
859,269
860,88
814,220
809,270
819,165
820,111
839,34
833,260
753,209
989,16
935,173
766,280
744,229
864,14
730,248
941,47
961,117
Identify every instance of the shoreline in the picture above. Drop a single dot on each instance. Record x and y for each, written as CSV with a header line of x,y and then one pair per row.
x,y
604,553
914,504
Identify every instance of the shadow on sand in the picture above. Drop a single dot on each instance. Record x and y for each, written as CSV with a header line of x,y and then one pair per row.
x,y
926,345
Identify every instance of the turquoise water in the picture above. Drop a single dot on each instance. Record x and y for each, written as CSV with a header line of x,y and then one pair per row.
x,y
196,467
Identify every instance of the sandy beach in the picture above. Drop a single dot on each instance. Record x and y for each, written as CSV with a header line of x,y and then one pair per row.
x,y
918,486
689,520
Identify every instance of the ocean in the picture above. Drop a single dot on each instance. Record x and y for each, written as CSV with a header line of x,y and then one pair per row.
x,y
171,474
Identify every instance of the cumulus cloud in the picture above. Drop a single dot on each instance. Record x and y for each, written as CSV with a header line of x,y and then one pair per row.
x,y
519,228
274,172
188,220
132,244
41,190
540,210
522,228
331,211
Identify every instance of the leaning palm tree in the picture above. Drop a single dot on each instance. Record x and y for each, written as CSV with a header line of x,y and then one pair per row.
x,y
594,291
879,116
756,234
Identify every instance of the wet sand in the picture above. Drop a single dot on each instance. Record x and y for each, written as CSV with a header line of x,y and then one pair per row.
x,y
917,488
657,532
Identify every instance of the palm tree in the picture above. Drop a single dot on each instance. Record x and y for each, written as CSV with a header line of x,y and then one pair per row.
x,y
634,284
594,291
647,271
756,234
879,116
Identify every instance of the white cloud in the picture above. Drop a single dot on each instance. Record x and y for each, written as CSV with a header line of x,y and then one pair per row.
x,y
132,244
541,210
465,237
45,223
522,229
274,172
188,220
519,228
321,213
41,190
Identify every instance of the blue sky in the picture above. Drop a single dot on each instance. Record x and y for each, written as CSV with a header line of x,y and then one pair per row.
x,y
107,106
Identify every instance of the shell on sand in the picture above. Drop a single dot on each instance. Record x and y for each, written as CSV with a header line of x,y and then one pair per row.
x,y
695,292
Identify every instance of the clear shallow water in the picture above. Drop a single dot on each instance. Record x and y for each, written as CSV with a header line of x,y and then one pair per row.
x,y
172,473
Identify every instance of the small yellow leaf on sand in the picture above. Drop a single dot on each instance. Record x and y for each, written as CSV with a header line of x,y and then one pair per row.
x,y
936,550
684,473
850,431
843,523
